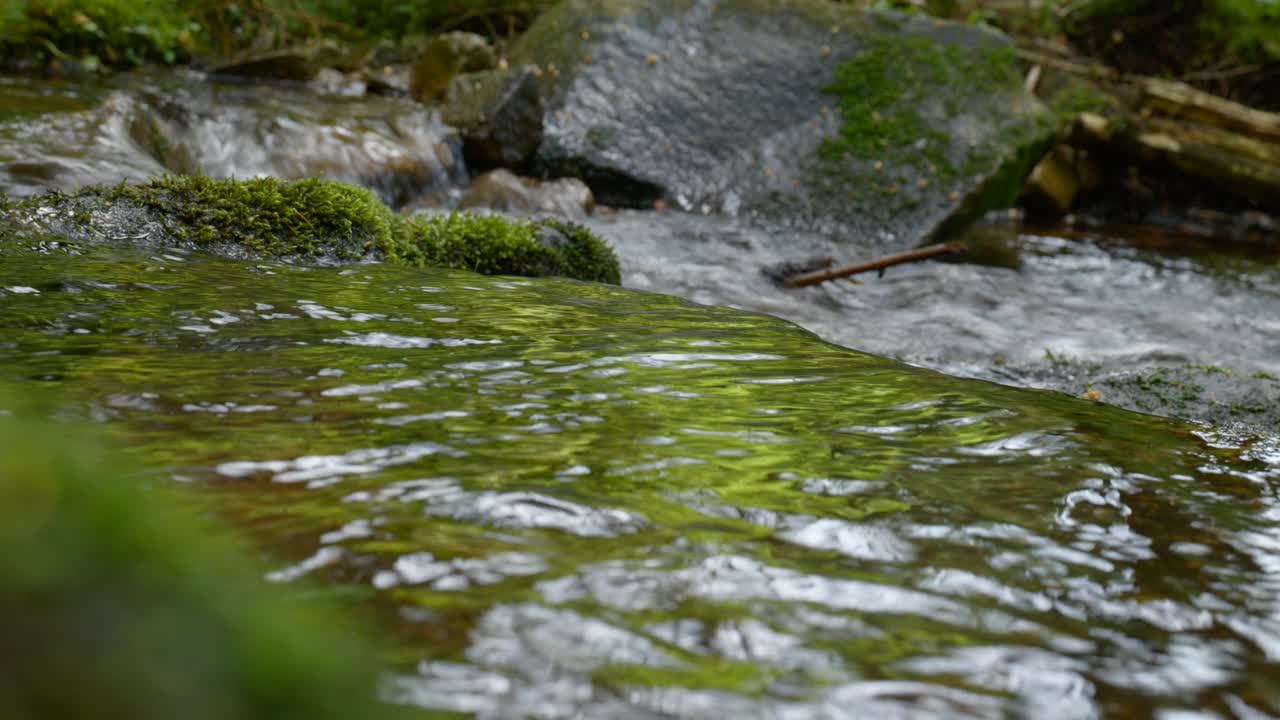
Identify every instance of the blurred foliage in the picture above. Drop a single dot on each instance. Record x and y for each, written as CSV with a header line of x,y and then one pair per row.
x,y
1228,47
115,603
97,33
1247,29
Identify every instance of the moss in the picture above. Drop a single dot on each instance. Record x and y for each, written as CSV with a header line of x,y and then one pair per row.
x,y
318,219
272,217
898,97
881,90
1075,96
585,255
110,590
497,246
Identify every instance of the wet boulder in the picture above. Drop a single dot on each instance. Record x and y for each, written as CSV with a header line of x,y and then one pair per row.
x,y
444,57
875,127
498,114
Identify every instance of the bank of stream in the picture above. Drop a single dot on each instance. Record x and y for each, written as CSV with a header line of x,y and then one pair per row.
x,y
572,499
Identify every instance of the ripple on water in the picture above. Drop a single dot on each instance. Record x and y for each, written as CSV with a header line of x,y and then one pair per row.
x,y
585,500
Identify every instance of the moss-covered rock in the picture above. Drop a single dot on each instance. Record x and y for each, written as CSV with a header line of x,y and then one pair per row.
x,y
315,220
494,245
115,604
307,218
882,129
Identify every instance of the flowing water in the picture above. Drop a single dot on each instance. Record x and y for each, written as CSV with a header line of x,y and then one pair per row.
x,y
568,498
572,500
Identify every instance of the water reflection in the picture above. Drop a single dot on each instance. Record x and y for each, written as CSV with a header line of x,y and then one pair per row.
x,y
576,499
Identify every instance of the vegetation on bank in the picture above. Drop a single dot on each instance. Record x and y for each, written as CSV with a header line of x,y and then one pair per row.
x,y
122,33
1228,47
115,603
317,219
1231,43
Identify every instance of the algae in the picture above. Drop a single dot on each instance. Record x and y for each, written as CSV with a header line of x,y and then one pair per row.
x,y
896,97
114,602
327,220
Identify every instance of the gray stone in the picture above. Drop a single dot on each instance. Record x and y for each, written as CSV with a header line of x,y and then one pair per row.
x,y
390,80
498,115
499,190
503,191
565,197
720,106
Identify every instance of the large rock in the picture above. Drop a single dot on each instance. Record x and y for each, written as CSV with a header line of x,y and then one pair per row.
x,y
888,129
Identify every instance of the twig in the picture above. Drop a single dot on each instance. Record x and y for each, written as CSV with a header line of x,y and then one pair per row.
x,y
1090,70
880,263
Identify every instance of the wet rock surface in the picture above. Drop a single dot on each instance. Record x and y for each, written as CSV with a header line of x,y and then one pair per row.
x,y
723,107
183,124
499,116
503,191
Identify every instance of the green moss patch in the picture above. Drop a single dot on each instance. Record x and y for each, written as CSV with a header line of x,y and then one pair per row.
x,y
114,603
881,90
923,117
326,220
271,217
493,245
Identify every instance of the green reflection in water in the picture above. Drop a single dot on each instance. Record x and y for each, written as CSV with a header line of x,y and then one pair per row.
x,y
556,482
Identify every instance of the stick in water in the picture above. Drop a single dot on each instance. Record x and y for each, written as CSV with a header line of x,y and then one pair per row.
x,y
880,263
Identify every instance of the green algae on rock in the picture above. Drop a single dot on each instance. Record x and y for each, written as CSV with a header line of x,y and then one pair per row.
x,y
113,605
925,116
318,220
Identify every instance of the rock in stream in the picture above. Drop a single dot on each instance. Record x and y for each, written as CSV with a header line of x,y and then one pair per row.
x,y
738,105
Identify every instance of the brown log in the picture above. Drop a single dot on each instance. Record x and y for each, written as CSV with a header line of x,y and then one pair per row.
x,y
1239,163
924,253
1179,100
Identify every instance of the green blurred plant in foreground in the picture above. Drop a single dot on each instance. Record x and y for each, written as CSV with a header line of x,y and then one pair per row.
x,y
114,603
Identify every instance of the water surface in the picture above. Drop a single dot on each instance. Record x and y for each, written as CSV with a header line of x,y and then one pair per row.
x,y
566,499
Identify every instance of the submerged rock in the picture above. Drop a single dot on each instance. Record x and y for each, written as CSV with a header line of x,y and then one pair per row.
x,y
113,605
315,220
811,113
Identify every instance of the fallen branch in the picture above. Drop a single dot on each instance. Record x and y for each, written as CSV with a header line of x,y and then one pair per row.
x,y
924,253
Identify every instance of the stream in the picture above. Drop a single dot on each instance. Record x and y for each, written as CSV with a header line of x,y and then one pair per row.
x,y
573,500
